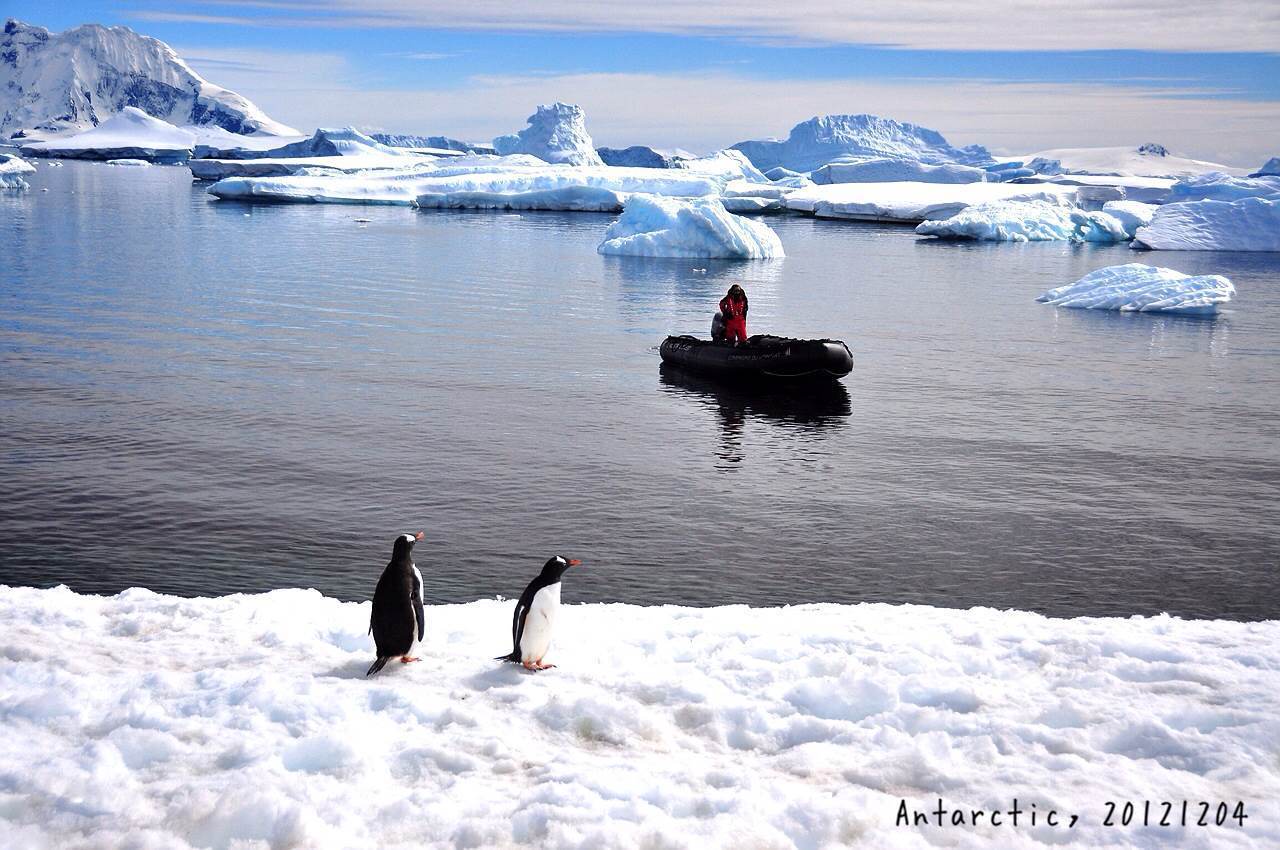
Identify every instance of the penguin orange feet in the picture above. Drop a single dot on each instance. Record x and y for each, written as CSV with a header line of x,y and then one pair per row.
x,y
408,659
542,666
528,665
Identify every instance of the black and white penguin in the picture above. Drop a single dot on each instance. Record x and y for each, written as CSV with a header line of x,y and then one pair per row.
x,y
398,619
535,615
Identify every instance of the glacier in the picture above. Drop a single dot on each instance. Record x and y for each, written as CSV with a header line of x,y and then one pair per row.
x,y
11,170
886,170
77,79
813,143
1026,221
1149,160
1250,224
652,226
244,721
557,133
1135,287
129,134
916,202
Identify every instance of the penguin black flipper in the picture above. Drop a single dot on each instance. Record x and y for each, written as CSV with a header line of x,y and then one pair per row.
x,y
377,665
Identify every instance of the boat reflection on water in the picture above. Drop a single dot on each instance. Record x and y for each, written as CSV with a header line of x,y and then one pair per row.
x,y
807,407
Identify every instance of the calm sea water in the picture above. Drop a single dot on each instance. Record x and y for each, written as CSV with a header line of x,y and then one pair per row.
x,y
205,397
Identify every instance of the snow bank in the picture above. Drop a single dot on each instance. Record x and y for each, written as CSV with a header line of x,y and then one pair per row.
x,y
245,721
130,134
1026,221
651,226
813,143
1148,289
1223,187
1270,168
11,170
885,170
1149,160
916,202
556,133
1252,224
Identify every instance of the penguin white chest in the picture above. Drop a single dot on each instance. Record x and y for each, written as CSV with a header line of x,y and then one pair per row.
x,y
535,640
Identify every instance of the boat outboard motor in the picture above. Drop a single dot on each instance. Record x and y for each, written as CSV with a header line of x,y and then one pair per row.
x,y
717,326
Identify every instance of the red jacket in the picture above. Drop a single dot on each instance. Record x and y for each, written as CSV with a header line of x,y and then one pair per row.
x,y
735,309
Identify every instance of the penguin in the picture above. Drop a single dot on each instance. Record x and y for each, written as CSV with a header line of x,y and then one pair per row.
x,y
397,606
535,615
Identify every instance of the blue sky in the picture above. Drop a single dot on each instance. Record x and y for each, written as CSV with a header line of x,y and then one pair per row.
x,y
1204,82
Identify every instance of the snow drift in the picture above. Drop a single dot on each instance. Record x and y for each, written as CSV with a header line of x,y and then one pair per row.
x,y
130,134
1251,224
80,78
245,721
813,143
1135,287
651,226
1027,221
556,134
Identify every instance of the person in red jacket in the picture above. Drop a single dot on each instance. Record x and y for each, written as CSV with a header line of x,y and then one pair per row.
x,y
734,309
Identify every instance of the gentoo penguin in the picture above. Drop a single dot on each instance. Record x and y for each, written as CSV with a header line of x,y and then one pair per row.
x,y
397,605
536,615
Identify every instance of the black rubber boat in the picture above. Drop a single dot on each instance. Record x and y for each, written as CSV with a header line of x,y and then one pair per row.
x,y
761,357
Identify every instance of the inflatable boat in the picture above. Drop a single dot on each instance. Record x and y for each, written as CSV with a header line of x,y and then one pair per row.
x,y
761,357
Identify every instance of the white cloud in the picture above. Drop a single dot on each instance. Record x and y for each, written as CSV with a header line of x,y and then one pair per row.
x,y
1172,25
710,110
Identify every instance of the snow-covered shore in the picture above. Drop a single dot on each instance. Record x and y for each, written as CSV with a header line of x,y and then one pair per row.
x,y
151,721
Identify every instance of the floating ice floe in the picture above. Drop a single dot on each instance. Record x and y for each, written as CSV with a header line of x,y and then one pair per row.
x,y
245,721
917,202
11,170
1251,224
886,170
129,134
1108,187
1026,221
816,142
1135,287
129,163
1223,187
556,133
1149,160
652,226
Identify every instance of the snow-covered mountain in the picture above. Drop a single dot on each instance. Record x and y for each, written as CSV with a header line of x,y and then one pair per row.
x,y
814,143
77,79
1148,160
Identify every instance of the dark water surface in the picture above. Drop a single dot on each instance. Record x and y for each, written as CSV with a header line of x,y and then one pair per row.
x,y
204,397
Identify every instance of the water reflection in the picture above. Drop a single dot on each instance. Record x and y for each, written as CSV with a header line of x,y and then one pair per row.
x,y
807,407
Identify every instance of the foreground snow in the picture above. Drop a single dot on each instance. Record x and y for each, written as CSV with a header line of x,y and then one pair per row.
x,y
917,202
1027,221
1252,224
651,226
156,722
1135,287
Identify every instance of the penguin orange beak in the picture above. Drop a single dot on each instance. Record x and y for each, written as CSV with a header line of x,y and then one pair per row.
x,y
419,535
573,562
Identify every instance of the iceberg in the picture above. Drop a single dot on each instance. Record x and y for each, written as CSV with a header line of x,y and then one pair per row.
x,y
430,143
344,150
642,156
477,182
131,163
1149,160
1026,221
1251,224
651,226
244,721
1135,287
1270,168
129,134
11,170
813,143
917,202
726,164
1130,214
556,134
1223,187
885,170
